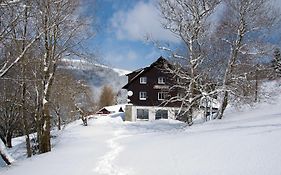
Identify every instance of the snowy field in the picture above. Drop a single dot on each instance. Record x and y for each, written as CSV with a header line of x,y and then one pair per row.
x,y
247,143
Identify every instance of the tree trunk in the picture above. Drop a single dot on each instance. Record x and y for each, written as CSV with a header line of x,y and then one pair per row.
x,y
59,122
206,109
9,140
4,154
57,111
23,108
38,115
256,87
28,145
45,144
223,106
84,120
23,116
190,117
5,158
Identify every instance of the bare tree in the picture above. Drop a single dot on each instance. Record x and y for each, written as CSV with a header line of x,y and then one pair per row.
x,y
9,18
63,33
9,111
40,36
107,97
15,15
34,36
241,22
69,97
84,101
187,19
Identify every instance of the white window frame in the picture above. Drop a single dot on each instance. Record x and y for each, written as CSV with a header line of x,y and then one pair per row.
x,y
161,96
143,95
143,80
161,80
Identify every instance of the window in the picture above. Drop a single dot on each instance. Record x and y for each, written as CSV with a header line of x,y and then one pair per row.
x,y
161,80
142,114
161,114
162,95
179,80
180,95
182,115
143,80
143,95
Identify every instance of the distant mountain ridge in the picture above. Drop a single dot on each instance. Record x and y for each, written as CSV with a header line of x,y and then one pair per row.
x,y
98,75
86,65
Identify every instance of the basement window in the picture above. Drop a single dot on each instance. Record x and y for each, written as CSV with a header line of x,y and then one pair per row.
x,y
142,114
161,114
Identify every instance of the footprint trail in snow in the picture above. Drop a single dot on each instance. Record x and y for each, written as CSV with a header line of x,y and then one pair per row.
x,y
106,164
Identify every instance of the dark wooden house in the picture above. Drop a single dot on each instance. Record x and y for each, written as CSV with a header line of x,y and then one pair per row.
x,y
149,88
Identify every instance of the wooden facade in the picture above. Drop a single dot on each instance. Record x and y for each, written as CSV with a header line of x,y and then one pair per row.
x,y
153,82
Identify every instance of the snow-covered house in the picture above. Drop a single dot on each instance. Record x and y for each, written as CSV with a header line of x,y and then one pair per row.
x,y
111,109
147,89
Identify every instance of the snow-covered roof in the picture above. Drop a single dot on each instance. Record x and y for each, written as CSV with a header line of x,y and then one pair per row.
x,y
114,108
141,71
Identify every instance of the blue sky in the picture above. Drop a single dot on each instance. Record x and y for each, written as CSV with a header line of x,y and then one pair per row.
x,y
123,26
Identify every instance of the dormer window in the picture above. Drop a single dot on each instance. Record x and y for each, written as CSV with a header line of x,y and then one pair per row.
x,y
143,80
161,80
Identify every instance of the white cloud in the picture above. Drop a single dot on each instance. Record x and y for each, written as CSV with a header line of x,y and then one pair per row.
x,y
119,58
139,22
131,59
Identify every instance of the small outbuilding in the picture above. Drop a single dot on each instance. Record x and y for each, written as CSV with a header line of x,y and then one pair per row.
x,y
111,109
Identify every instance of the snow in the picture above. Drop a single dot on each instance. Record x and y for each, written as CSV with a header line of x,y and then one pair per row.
x,y
9,2
121,72
86,65
5,152
114,108
245,142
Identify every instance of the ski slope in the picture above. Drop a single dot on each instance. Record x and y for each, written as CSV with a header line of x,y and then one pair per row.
x,y
245,143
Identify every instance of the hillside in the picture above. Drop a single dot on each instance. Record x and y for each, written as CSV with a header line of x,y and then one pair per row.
x,y
97,75
245,142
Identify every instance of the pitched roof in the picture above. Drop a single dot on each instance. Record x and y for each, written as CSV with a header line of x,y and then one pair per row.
x,y
141,71
114,108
